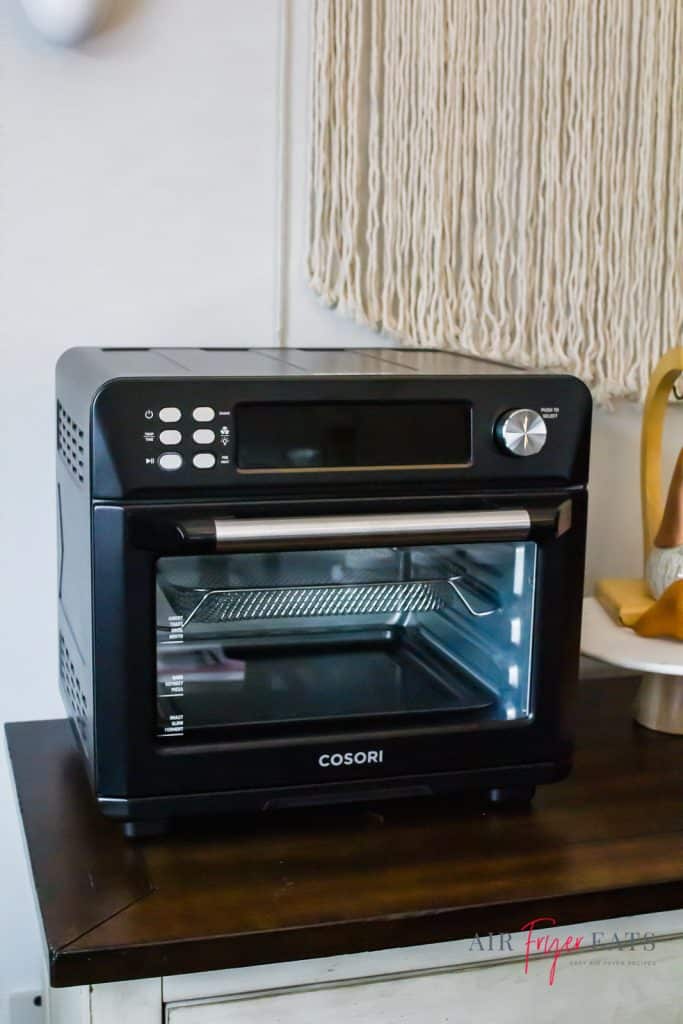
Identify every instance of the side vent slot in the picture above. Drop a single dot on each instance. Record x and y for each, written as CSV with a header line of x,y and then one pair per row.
x,y
72,691
71,443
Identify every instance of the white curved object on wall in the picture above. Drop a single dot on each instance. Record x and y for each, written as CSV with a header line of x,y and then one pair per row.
x,y
65,22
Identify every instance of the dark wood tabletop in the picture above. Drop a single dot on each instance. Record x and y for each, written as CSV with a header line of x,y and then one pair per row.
x,y
289,885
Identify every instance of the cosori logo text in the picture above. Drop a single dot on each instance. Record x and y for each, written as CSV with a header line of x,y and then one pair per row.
x,y
351,757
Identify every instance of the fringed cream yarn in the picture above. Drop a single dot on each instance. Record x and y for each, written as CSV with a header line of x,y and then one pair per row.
x,y
504,177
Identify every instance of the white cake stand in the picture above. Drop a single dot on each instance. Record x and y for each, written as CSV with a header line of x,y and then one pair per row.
x,y
659,701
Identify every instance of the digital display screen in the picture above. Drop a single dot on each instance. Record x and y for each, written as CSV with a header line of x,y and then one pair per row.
x,y
348,435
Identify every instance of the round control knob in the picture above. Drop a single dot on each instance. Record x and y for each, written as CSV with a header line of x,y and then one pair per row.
x,y
522,432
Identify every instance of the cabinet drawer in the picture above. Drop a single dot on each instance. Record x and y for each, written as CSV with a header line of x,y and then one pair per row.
x,y
629,985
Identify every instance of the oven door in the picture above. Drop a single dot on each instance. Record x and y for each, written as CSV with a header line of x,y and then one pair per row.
x,y
337,619
287,631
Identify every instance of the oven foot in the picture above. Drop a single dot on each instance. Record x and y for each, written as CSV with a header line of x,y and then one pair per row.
x,y
145,829
512,795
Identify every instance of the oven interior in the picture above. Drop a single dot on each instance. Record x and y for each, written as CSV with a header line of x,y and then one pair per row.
x,y
246,639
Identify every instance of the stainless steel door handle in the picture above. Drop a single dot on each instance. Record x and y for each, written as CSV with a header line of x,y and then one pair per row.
x,y
205,534
238,533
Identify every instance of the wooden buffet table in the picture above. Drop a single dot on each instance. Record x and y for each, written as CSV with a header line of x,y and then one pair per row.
x,y
309,895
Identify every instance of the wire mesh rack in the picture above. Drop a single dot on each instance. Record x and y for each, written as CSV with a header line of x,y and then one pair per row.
x,y
236,604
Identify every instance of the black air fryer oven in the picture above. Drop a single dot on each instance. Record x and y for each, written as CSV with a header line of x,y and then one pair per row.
x,y
293,577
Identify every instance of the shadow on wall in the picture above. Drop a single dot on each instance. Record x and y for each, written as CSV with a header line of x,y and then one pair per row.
x,y
120,12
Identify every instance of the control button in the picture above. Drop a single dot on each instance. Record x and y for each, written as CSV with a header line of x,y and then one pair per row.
x,y
203,414
170,437
204,460
522,432
170,461
169,414
203,437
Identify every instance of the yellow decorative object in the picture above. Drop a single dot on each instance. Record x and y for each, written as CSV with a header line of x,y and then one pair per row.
x,y
665,375
665,617
653,645
665,562
625,600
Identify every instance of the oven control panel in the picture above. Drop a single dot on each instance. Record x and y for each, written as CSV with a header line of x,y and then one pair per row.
x,y
175,436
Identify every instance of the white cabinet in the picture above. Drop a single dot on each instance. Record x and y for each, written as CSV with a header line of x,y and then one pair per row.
x,y
626,970
601,986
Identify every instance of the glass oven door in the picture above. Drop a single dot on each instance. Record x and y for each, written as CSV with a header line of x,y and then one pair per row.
x,y
347,618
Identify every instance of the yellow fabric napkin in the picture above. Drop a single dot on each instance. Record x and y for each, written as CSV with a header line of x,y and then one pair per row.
x,y
665,617
626,600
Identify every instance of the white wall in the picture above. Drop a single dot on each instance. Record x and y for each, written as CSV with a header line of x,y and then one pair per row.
x,y
138,206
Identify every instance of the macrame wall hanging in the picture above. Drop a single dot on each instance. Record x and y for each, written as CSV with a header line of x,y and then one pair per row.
x,y
504,177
